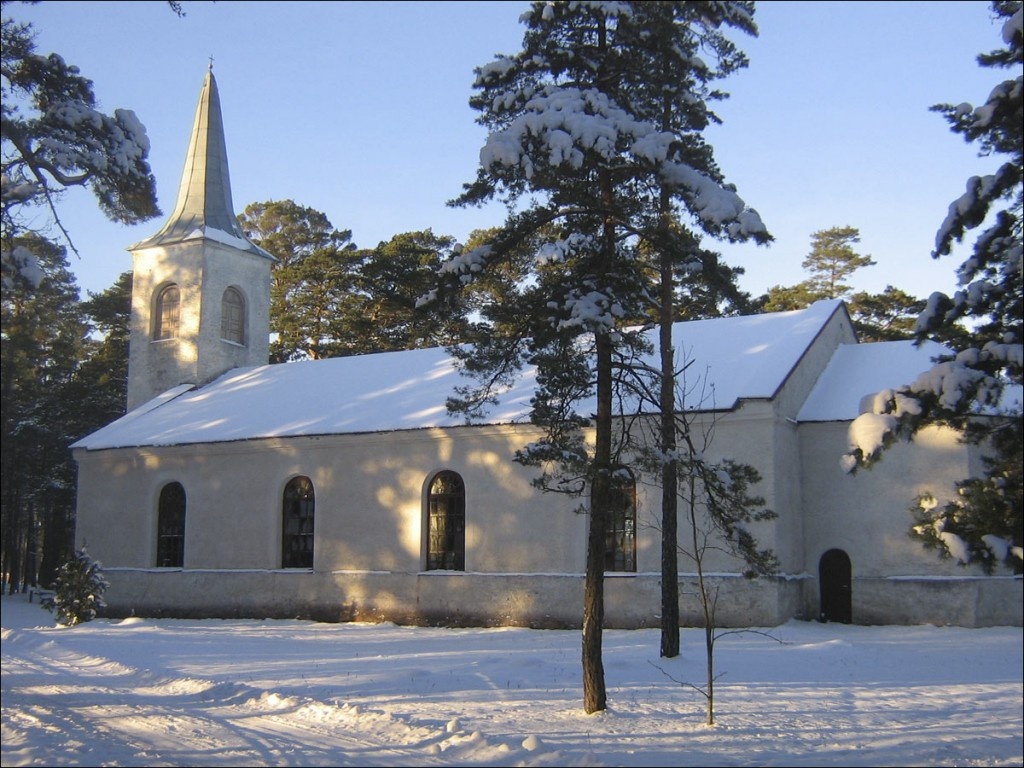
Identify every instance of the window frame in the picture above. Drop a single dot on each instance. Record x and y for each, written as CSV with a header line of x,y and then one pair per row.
x,y
233,316
620,529
298,506
446,523
170,532
167,314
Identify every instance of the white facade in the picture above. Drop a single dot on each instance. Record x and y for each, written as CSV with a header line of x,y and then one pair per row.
x,y
202,270
235,444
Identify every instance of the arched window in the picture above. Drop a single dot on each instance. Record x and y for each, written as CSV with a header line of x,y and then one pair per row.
x,y
620,541
298,512
232,316
166,313
446,523
170,542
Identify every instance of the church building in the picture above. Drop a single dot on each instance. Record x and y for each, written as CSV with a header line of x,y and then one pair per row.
x,y
342,489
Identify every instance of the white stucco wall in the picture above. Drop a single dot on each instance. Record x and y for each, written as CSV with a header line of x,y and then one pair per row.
x,y
763,433
525,550
202,269
249,274
868,516
370,500
370,492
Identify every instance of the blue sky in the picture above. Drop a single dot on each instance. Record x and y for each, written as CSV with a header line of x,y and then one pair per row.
x,y
360,110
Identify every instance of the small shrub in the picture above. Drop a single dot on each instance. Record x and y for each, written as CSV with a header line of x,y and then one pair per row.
x,y
78,590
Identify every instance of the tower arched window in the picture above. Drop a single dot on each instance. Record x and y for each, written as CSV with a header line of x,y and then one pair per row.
x,y
166,313
170,542
620,541
298,517
232,316
446,522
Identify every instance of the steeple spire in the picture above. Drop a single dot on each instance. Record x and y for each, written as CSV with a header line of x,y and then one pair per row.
x,y
200,288
204,207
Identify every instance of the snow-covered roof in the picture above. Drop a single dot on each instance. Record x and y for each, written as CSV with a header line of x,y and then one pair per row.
x,y
859,370
733,358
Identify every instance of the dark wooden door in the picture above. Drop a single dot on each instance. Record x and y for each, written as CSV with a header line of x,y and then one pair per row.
x,y
835,577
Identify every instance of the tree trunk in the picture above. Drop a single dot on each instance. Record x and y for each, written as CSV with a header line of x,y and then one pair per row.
x,y
669,471
594,696
31,547
709,643
670,468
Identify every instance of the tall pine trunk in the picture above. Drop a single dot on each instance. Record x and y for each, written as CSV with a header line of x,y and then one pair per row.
x,y
594,695
670,467
669,471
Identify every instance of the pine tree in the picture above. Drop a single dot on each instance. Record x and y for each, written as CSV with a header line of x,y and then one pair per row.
x,y
78,590
886,316
331,299
55,138
586,178
984,524
40,350
389,281
832,259
313,283
783,298
101,381
673,92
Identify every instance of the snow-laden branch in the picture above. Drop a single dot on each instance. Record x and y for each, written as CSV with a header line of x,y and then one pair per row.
x,y
564,126
959,385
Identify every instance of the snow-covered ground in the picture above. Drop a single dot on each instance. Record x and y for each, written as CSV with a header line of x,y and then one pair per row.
x,y
140,692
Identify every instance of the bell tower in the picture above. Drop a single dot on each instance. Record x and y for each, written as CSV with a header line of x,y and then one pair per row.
x,y
200,288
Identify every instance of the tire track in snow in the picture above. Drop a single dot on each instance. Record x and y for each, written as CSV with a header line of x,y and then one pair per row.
x,y
90,703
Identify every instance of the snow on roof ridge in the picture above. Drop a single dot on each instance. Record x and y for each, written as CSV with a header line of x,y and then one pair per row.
x,y
733,358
